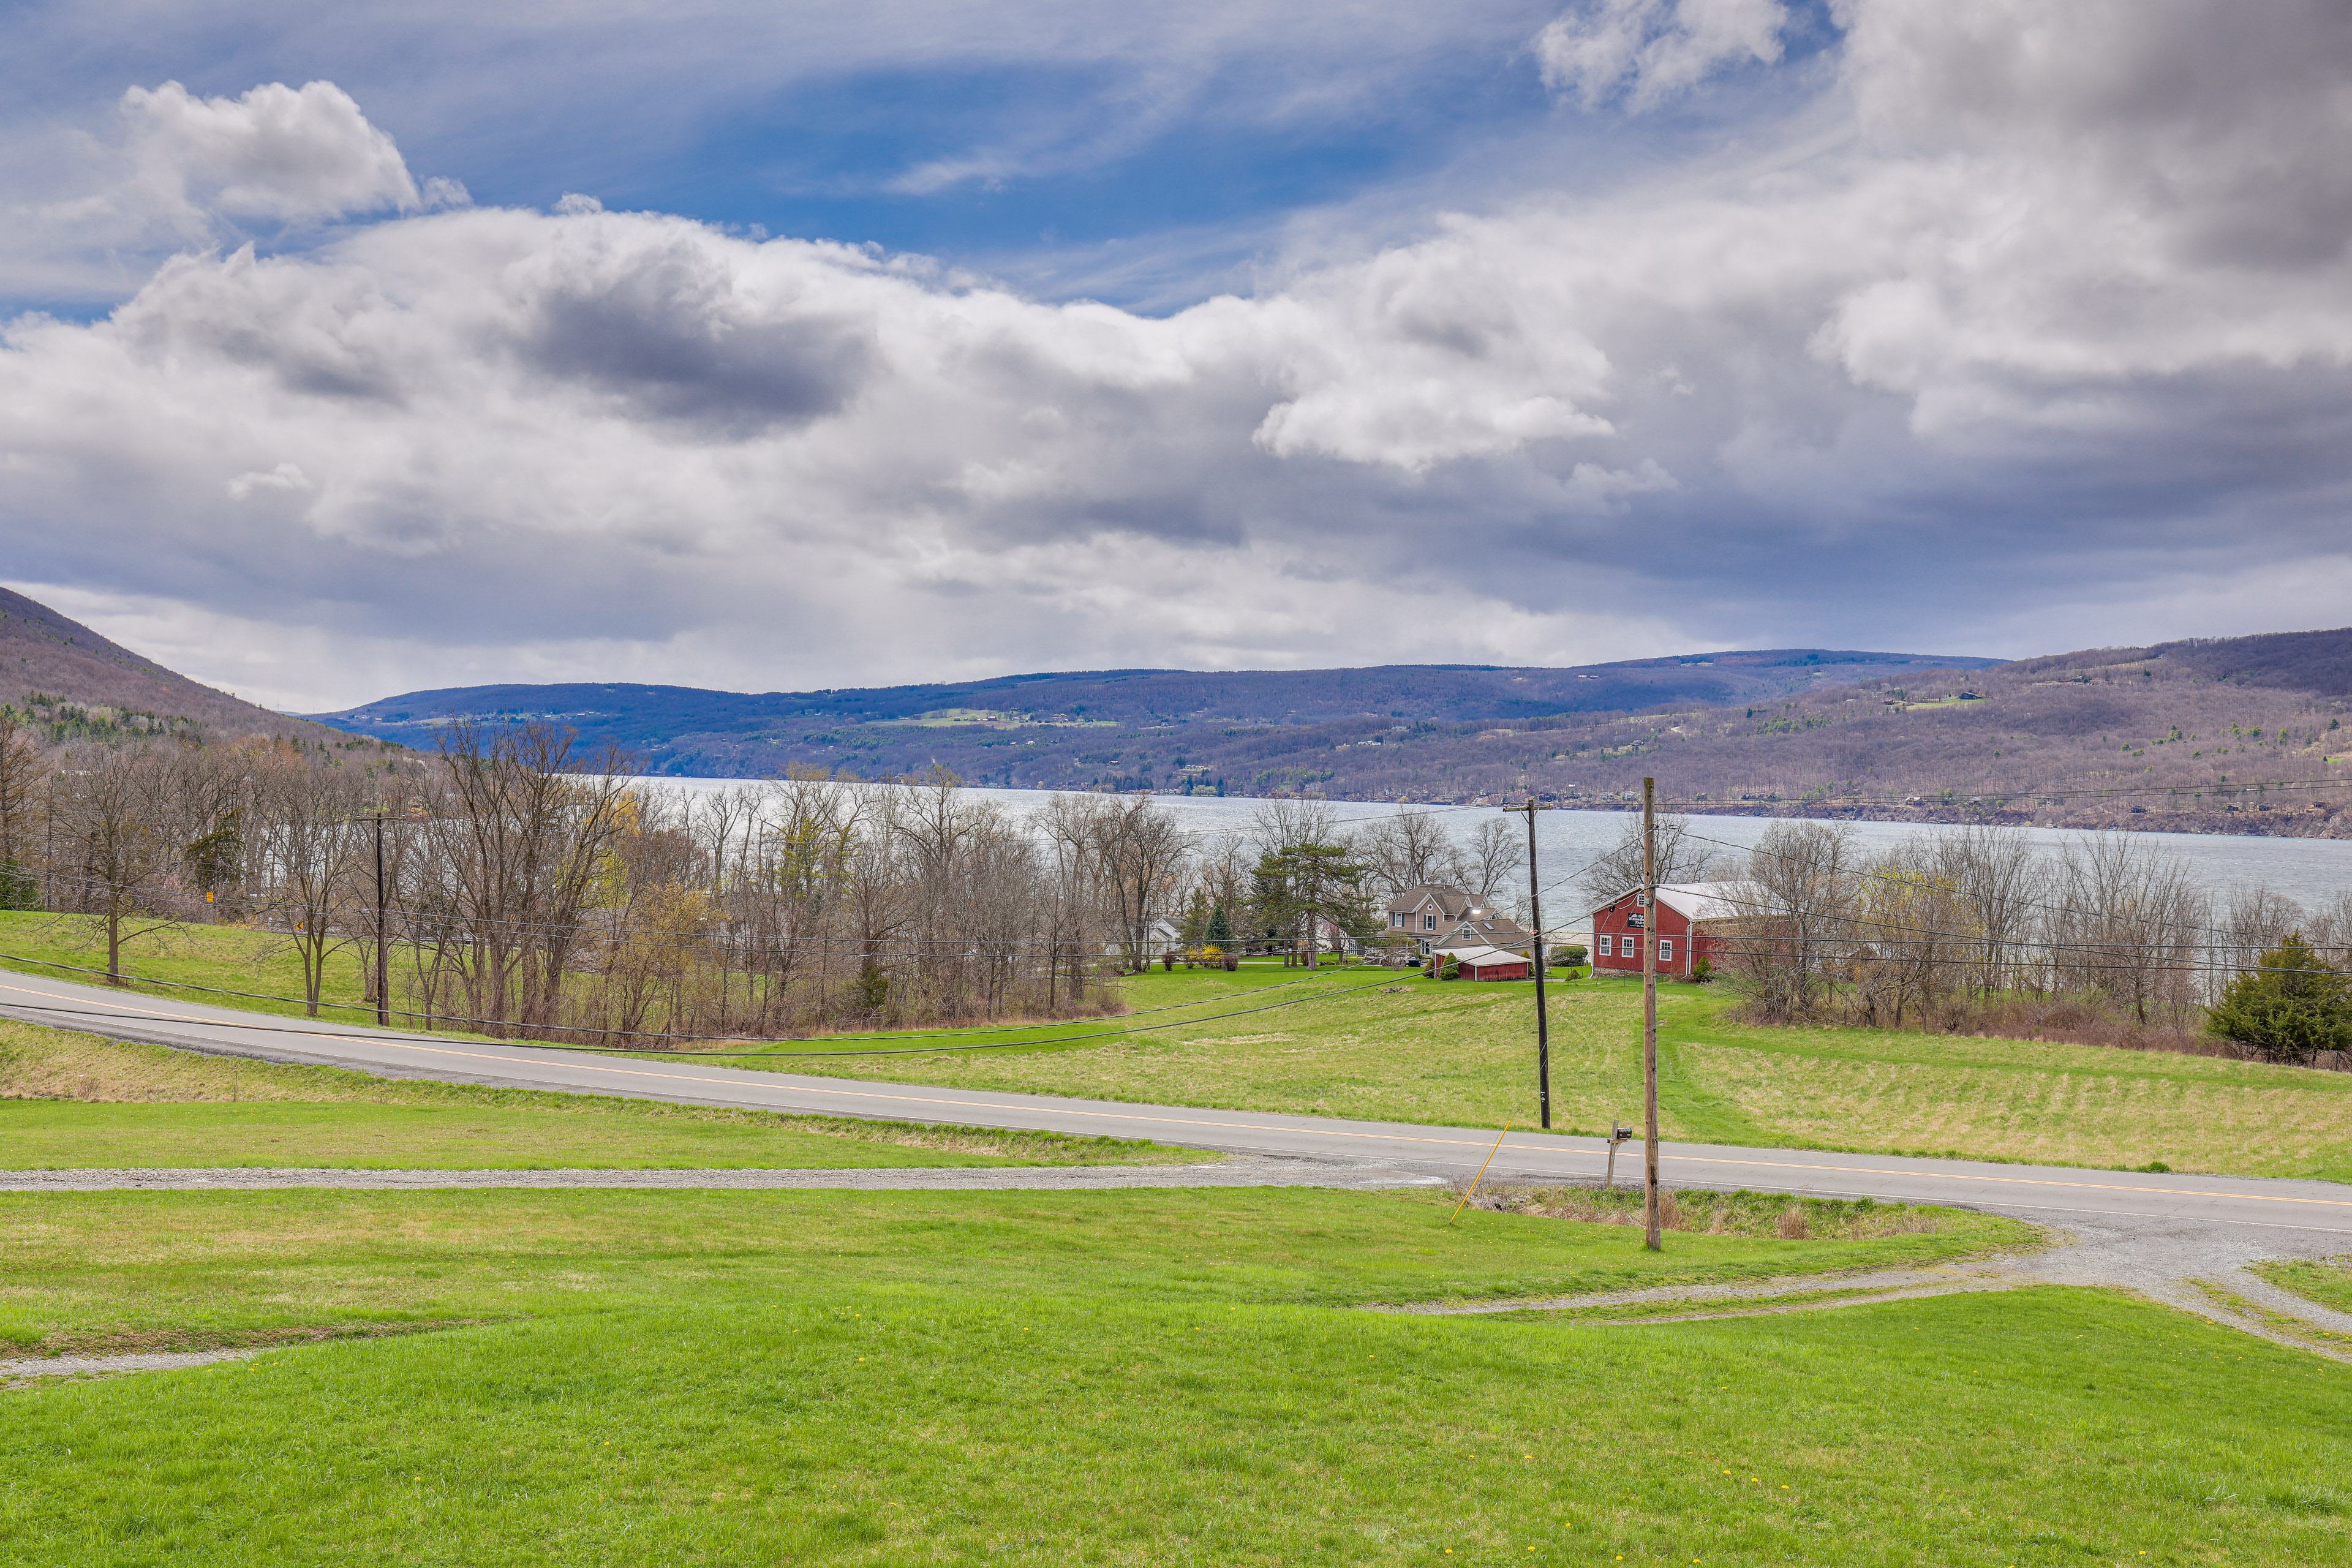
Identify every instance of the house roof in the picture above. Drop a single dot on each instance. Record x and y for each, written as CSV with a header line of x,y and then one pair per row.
x,y
1500,928
1451,901
1695,901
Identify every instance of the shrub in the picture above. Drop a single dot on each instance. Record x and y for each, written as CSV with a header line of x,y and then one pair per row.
x,y
2291,1005
1701,971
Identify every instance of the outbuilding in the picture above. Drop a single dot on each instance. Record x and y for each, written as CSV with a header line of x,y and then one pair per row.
x,y
1689,926
1482,963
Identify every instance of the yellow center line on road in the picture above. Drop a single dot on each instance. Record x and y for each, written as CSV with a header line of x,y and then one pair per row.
x,y
1545,1148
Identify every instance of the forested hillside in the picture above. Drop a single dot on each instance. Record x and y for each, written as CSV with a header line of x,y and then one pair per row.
x,y
2241,734
1109,728
2187,724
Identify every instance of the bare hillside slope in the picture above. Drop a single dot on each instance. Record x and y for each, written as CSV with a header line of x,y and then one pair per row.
x,y
74,682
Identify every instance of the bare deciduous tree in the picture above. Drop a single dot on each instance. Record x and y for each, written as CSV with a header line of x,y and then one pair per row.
x,y
1139,853
1408,849
309,835
1682,857
2128,923
24,774
110,805
1796,915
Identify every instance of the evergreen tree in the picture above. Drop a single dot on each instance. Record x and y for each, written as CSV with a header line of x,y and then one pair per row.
x,y
1307,882
1196,921
1221,928
2292,1004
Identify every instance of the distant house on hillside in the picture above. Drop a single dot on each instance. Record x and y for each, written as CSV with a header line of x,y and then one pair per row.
x,y
1162,935
1435,916
1690,925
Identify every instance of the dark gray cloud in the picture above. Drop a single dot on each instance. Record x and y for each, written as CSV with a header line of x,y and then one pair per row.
x,y
664,336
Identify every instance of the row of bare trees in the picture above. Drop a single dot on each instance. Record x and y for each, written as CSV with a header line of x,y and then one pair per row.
x,y
1975,924
518,886
511,884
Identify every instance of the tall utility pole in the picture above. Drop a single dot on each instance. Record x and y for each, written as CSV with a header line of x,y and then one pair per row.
x,y
1535,962
383,958
1650,1003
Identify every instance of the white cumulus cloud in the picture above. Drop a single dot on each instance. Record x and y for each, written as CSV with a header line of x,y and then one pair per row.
x,y
276,151
1648,50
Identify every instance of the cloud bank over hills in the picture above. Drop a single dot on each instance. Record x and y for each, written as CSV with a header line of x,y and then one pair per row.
x,y
1996,326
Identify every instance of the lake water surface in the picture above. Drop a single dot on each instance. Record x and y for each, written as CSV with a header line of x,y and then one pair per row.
x,y
2308,871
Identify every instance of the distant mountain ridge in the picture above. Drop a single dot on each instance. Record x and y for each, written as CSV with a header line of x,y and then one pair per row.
x,y
73,682
2225,734
2174,734
1061,729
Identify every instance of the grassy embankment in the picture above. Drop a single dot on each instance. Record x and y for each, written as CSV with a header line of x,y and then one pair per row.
x,y
1100,1377
77,1100
2327,1282
1462,1053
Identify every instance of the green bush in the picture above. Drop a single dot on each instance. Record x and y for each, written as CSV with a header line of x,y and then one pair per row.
x,y
2292,1005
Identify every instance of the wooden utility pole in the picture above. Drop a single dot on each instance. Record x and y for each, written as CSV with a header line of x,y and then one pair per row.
x,y
1535,962
382,954
1650,1002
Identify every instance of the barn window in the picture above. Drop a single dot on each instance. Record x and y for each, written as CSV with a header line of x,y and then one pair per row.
x,y
1665,950
1607,950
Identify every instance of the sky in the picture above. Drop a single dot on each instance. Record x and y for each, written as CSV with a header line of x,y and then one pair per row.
x,y
351,350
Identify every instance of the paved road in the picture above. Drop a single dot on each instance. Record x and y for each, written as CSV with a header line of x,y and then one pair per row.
x,y
2320,1212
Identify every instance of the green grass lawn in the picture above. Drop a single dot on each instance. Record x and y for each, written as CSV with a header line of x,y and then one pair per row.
x,y
226,958
2327,1282
78,1100
52,1135
1163,1377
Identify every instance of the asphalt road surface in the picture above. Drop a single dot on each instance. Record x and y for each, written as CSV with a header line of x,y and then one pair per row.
x,y
2319,1212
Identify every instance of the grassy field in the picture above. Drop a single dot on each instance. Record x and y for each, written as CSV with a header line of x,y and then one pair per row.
x,y
77,1100
1404,1049
1164,1377
1465,1054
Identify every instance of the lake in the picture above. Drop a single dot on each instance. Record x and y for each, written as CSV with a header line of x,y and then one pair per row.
x,y
2308,871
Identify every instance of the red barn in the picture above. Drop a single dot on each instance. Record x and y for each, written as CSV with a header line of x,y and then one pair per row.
x,y
1686,911
1482,963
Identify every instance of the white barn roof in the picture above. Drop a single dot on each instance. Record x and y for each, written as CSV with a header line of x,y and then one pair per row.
x,y
1479,957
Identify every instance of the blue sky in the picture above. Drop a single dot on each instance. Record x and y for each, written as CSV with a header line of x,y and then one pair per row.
x,y
1152,163
910,339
